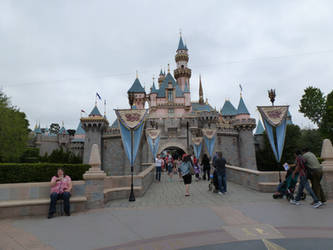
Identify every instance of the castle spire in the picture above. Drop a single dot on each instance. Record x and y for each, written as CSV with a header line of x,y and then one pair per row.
x,y
201,99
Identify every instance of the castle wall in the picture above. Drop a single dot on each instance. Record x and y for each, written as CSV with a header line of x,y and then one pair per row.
x,y
246,149
228,145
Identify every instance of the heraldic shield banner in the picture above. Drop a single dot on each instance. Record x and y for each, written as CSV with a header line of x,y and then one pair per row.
x,y
131,119
153,138
197,146
275,116
210,138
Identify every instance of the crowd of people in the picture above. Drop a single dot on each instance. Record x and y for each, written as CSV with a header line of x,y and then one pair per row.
x,y
189,166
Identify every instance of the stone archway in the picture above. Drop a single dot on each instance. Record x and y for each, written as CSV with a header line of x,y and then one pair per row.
x,y
171,144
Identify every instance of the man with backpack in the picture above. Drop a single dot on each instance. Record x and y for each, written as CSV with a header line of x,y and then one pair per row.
x,y
303,181
219,164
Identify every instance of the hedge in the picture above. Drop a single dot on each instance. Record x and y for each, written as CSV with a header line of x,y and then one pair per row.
x,y
38,172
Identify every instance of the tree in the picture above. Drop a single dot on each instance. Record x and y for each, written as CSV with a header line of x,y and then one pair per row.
x,y
13,131
326,126
312,139
313,104
54,128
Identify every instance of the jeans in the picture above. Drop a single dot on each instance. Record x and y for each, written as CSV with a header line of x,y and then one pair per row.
x,y
54,197
206,170
158,173
315,179
303,183
222,181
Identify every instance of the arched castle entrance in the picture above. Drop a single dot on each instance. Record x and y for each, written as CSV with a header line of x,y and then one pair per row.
x,y
174,147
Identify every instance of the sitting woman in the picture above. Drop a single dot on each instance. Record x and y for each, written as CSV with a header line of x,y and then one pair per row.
x,y
61,186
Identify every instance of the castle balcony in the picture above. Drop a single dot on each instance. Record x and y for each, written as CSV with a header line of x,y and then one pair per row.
x,y
182,72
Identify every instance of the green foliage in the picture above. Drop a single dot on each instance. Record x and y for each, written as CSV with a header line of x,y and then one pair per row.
x,y
61,156
30,155
311,138
13,131
313,104
326,126
38,172
54,128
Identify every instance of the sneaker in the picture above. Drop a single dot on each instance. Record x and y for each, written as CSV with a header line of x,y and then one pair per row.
x,y
294,202
317,204
220,193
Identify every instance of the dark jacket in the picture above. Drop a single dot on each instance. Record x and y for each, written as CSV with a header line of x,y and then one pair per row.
x,y
220,165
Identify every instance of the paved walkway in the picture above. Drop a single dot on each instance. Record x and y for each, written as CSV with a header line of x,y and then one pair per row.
x,y
165,219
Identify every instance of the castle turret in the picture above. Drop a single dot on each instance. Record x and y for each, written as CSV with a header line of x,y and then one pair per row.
x,y
182,73
94,126
161,78
153,96
245,125
139,94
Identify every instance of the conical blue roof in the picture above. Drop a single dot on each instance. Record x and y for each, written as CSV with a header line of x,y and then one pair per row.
x,y
63,131
168,78
153,89
228,109
260,129
181,45
137,87
161,73
80,130
242,109
95,112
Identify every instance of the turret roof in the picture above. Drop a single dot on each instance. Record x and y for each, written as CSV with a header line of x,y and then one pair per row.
x,y
260,129
164,85
137,87
201,107
63,131
95,112
242,109
115,124
181,45
80,130
153,89
228,109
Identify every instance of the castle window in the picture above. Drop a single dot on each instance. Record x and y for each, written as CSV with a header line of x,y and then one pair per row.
x,y
170,95
171,111
182,66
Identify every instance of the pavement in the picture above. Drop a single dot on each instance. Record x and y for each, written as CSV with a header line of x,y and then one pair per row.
x,y
165,219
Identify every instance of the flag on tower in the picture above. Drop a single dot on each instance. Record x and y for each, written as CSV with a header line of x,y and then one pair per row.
x,y
83,111
99,97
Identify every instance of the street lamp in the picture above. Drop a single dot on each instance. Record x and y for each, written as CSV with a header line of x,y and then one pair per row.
x,y
131,102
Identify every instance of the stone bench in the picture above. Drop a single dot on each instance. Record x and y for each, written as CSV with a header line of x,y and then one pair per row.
x,y
27,199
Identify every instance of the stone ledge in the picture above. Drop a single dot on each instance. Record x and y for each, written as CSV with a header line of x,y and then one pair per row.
x,y
18,203
34,184
119,189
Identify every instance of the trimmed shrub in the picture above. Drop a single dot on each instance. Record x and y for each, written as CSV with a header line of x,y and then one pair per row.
x,y
38,172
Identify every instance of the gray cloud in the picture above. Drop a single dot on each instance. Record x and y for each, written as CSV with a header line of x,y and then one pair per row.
x,y
56,54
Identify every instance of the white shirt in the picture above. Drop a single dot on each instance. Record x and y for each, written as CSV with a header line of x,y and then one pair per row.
x,y
158,162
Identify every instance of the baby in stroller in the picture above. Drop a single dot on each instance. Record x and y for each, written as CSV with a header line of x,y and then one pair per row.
x,y
288,186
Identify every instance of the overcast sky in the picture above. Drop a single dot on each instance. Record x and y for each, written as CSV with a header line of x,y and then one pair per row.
x,y
55,55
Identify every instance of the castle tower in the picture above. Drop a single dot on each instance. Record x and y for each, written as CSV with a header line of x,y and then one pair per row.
x,y
153,96
201,98
182,73
94,126
139,94
161,78
244,124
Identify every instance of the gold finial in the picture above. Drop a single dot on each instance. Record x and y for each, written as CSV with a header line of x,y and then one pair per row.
x,y
180,32
153,78
241,89
168,68
137,74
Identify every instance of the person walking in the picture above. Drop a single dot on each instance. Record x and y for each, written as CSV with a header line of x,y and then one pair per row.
x,y
169,163
315,173
206,167
186,174
158,166
220,163
303,181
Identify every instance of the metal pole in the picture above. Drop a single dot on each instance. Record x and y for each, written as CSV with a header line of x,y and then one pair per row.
x,y
187,139
132,197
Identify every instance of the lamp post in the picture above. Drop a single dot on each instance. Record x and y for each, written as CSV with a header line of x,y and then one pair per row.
x,y
131,102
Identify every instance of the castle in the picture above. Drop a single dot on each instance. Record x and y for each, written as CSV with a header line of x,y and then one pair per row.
x,y
172,111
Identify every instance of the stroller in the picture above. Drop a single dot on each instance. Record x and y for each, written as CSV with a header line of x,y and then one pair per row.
x,y
287,187
213,185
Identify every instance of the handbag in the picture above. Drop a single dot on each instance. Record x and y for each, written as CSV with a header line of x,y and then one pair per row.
x,y
192,171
